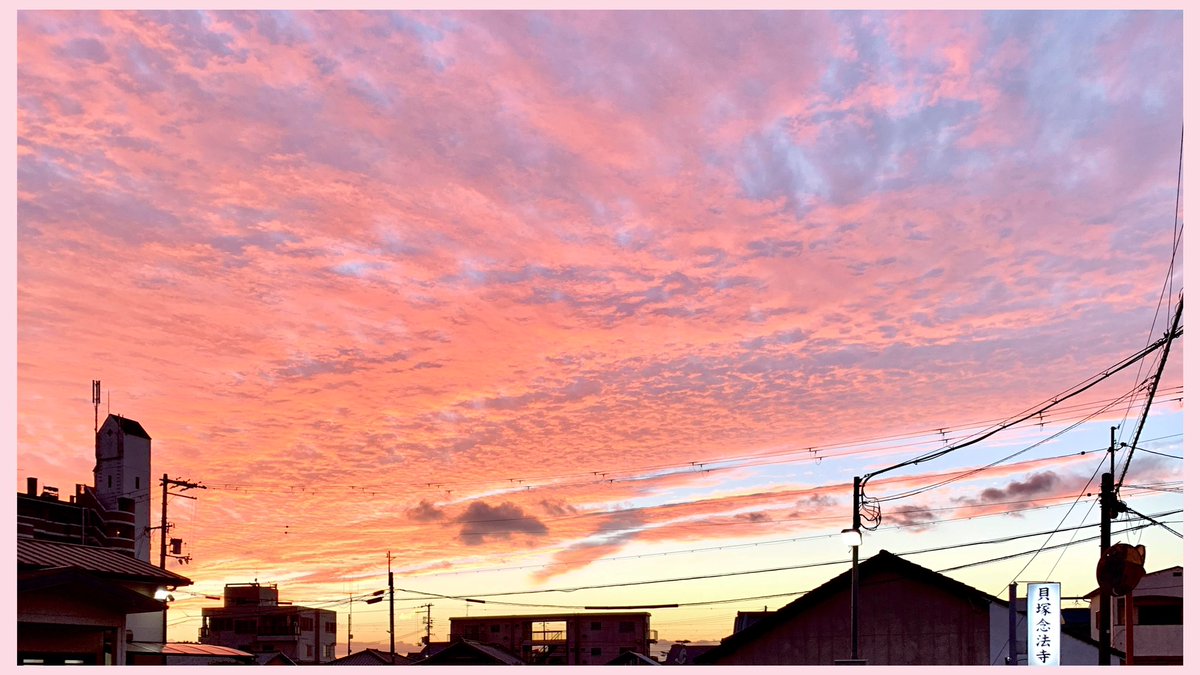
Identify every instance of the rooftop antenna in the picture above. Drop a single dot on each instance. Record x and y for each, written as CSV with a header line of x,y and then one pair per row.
x,y
96,403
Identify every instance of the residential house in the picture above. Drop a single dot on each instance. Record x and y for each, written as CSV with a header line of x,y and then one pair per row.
x,y
371,657
73,602
1157,619
685,654
908,615
465,652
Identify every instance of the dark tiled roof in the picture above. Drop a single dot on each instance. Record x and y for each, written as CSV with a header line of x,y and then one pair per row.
x,y
369,657
470,652
274,659
881,563
197,649
130,427
35,555
633,659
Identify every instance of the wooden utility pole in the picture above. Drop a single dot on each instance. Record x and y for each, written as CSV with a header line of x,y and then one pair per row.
x,y
391,609
163,527
1106,513
428,623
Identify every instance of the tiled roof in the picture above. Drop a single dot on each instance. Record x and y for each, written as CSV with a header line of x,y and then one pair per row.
x,y
130,427
496,653
34,554
881,562
197,649
369,657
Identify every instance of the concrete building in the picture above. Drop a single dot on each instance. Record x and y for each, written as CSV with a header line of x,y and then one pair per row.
x,y
564,639
1157,619
122,472
908,615
254,620
83,519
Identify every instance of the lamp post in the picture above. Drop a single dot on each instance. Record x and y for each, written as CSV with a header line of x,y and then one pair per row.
x,y
853,538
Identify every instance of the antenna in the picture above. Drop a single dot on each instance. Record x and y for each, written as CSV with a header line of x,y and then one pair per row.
x,y
96,403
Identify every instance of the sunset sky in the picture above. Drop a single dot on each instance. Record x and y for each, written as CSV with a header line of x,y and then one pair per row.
x,y
551,300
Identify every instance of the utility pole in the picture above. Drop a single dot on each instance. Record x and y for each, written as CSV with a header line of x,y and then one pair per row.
x,y
856,522
428,623
1106,513
350,625
163,526
1012,623
391,609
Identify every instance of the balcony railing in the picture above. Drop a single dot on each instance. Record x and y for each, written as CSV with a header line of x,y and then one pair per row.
x,y
543,636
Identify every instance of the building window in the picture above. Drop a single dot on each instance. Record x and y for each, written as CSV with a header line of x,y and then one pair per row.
x,y
595,625
595,651
306,624
110,481
245,626
1160,615
308,650
331,627
137,482
495,628
626,627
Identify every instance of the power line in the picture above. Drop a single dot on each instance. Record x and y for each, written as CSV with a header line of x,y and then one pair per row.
x,y
811,453
420,595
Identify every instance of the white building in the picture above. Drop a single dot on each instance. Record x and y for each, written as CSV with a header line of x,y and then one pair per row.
x,y
1157,618
123,471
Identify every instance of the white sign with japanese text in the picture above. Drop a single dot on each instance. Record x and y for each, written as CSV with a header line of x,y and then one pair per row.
x,y
1043,616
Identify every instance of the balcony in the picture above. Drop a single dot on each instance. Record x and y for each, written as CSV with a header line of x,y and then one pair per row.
x,y
542,637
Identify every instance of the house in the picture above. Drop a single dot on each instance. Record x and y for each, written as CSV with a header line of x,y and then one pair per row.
x,y
633,659
194,654
73,602
908,615
253,620
682,654
371,657
566,639
465,652
273,659
1157,619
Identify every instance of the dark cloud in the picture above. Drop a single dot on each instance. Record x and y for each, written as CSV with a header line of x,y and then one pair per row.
x,y
817,502
1037,485
425,512
755,517
557,507
482,520
918,517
